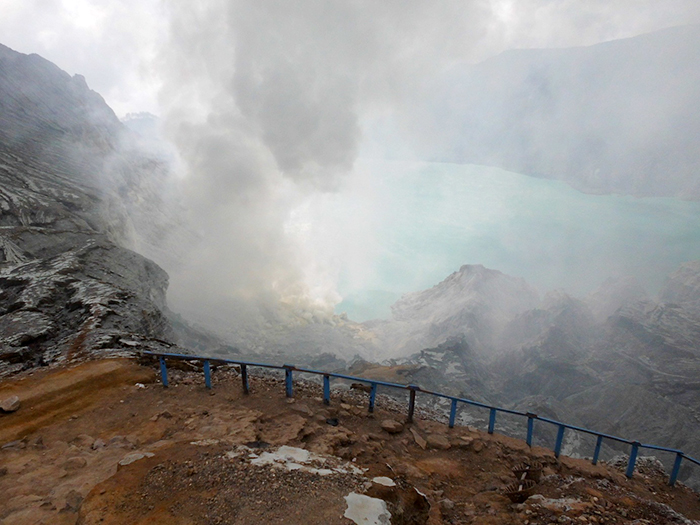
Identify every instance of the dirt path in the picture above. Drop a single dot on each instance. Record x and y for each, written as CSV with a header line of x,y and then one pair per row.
x,y
193,456
51,396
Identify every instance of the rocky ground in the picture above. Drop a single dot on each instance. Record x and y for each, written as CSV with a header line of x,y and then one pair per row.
x,y
103,442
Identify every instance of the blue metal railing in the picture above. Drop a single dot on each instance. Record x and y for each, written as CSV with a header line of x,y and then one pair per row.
x,y
413,389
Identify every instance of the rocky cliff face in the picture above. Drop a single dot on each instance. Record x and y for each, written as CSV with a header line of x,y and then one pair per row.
x,y
73,189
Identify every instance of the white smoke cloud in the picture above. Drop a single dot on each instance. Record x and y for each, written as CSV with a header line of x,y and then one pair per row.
x,y
264,100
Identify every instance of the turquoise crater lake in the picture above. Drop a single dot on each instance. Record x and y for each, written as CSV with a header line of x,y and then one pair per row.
x,y
405,226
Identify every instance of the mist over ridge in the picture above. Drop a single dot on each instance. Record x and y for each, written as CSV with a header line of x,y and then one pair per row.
x,y
616,117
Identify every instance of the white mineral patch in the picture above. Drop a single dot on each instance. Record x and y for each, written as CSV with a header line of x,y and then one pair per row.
x,y
292,458
206,443
383,480
135,456
364,510
298,455
452,369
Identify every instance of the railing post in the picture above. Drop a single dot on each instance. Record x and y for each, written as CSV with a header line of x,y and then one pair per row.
x,y
207,374
453,413
633,459
288,381
326,389
492,420
596,454
411,402
163,372
372,396
676,469
560,440
530,427
244,379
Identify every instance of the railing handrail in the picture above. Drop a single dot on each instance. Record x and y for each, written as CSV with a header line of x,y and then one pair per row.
x,y
289,369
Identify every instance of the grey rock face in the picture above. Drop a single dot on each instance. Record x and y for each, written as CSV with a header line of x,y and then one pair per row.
x,y
451,368
10,404
73,185
94,296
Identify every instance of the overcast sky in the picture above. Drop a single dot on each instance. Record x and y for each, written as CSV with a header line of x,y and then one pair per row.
x,y
116,45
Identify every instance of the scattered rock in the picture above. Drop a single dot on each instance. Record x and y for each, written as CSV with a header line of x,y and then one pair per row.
x,y
3,471
437,441
447,504
391,426
357,411
73,502
98,444
135,456
478,446
464,442
14,445
164,414
10,404
75,463
82,440
420,441
117,441
303,409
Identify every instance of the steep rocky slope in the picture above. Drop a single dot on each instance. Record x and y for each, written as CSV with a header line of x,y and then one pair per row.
x,y
73,187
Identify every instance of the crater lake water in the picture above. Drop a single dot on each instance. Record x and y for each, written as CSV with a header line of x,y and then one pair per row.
x,y
399,227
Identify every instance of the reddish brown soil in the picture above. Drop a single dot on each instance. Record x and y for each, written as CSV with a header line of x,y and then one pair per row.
x,y
75,425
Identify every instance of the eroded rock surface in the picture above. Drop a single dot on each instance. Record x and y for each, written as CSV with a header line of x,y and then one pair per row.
x,y
74,188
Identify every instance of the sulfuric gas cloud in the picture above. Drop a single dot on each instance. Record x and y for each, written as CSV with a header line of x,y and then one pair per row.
x,y
265,102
